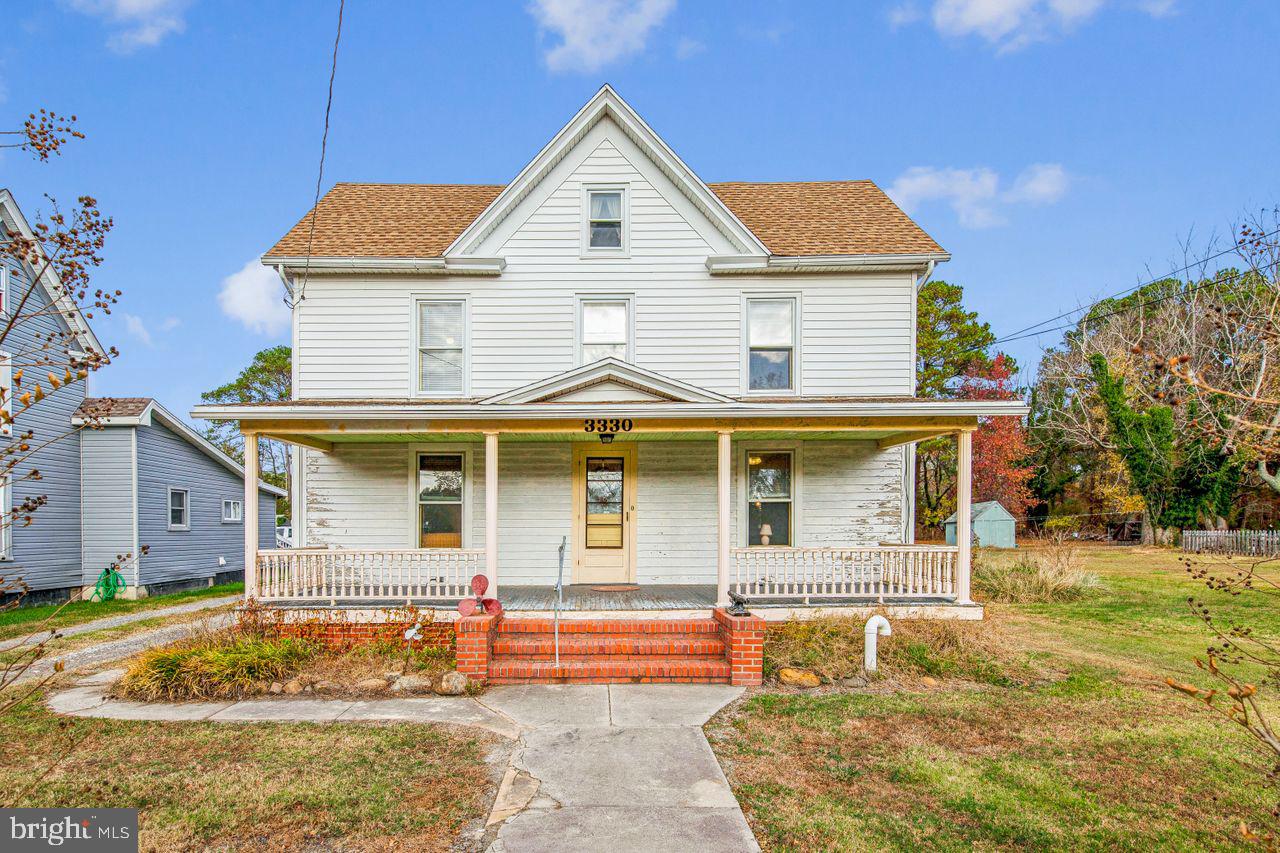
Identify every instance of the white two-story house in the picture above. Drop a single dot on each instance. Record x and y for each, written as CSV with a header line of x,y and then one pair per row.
x,y
610,373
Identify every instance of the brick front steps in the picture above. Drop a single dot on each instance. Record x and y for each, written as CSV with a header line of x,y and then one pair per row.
x,y
723,649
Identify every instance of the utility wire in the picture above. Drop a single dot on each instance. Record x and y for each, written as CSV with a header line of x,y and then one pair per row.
x,y
324,144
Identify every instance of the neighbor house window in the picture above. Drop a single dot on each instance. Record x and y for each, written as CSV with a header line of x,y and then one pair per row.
x,y
6,533
606,229
232,511
771,344
440,496
4,286
441,348
769,497
179,509
604,329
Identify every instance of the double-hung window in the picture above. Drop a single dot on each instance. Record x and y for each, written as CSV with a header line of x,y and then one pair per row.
x,y
440,500
605,226
604,329
770,491
771,344
232,512
442,351
179,509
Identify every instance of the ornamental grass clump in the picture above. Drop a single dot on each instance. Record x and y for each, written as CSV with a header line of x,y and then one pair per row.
x,y
213,665
1050,574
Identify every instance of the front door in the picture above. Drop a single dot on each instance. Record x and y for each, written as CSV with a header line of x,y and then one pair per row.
x,y
604,500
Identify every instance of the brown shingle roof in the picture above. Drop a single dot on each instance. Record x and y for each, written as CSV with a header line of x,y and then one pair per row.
x,y
421,220
109,407
825,218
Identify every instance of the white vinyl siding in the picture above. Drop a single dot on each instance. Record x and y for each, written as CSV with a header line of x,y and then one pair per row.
x,y
357,335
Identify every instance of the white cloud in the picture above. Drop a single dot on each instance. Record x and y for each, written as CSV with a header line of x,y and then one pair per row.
x,y
1010,25
687,48
133,323
168,324
136,23
594,33
976,195
252,297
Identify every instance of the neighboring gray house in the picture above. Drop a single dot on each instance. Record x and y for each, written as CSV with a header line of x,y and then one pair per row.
x,y
149,480
49,555
992,525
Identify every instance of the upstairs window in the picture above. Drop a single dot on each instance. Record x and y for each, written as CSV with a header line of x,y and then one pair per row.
x,y
606,226
771,344
604,329
441,348
179,509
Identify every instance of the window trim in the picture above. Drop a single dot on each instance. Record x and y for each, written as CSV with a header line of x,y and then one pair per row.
x,y
586,250
178,528
797,314
6,505
236,517
6,276
416,300
795,448
468,452
581,300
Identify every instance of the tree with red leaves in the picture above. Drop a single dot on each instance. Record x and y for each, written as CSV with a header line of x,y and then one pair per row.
x,y
1001,471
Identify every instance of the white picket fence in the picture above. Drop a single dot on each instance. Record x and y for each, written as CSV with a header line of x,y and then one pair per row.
x,y
886,571
316,574
1249,543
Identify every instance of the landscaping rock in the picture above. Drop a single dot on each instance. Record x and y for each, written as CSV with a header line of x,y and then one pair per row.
x,y
372,685
326,686
798,677
855,681
928,682
398,668
294,686
276,687
412,684
452,683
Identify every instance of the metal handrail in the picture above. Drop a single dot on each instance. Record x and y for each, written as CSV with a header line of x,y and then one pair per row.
x,y
564,541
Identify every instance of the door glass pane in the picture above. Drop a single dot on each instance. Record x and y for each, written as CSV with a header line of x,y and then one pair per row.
x,y
769,475
605,492
440,324
771,322
770,369
441,371
606,205
439,478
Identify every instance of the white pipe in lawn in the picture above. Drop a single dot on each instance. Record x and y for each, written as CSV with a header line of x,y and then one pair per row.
x,y
876,625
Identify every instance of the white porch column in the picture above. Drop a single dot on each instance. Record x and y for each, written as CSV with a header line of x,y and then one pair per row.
x,y
250,515
964,514
724,465
491,511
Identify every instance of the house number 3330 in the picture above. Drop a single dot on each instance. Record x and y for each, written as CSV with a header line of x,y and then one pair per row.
x,y
606,425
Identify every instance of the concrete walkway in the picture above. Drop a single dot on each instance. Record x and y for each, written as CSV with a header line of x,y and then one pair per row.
x,y
621,767
125,619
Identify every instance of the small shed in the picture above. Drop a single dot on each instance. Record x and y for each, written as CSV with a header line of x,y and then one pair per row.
x,y
992,524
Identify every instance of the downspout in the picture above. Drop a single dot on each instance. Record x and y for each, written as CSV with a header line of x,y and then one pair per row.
x,y
930,266
288,287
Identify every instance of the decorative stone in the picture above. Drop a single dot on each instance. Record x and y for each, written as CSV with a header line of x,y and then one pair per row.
x,y
326,686
452,683
412,684
276,687
854,681
372,685
798,677
294,686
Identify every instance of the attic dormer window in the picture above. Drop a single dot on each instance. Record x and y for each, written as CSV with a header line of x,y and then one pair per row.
x,y
605,229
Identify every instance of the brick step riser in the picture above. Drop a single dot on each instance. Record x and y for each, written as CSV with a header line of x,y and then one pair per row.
x,y
608,680
595,669
636,656
609,646
650,627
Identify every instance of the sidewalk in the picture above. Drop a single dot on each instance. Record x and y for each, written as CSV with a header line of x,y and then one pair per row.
x,y
622,767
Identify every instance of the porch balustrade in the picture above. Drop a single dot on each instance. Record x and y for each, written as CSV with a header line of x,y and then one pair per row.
x,y
877,572
314,574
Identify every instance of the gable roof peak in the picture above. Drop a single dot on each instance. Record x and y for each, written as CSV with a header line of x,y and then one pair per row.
x,y
607,370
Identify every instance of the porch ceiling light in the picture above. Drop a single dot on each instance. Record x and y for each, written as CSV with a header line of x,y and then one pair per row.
x,y
606,438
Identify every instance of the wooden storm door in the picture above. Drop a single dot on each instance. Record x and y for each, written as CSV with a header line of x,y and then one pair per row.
x,y
604,500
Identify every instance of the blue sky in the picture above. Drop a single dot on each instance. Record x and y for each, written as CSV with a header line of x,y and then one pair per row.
x,y
1060,149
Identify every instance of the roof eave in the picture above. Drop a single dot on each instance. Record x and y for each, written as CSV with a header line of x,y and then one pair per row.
x,y
294,265
749,264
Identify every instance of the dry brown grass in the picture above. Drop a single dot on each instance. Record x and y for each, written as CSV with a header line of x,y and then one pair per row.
x,y
1052,572
212,664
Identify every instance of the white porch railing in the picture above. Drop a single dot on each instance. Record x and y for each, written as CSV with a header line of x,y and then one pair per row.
x,y
874,572
322,574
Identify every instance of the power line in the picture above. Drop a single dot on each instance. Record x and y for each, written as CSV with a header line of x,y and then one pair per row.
x,y
324,144
1028,332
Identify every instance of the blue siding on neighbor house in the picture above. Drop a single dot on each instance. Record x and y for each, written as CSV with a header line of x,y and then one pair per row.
x,y
107,500
46,554
167,460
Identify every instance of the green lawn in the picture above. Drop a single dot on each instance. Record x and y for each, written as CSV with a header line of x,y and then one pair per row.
x,y
24,620
1097,754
